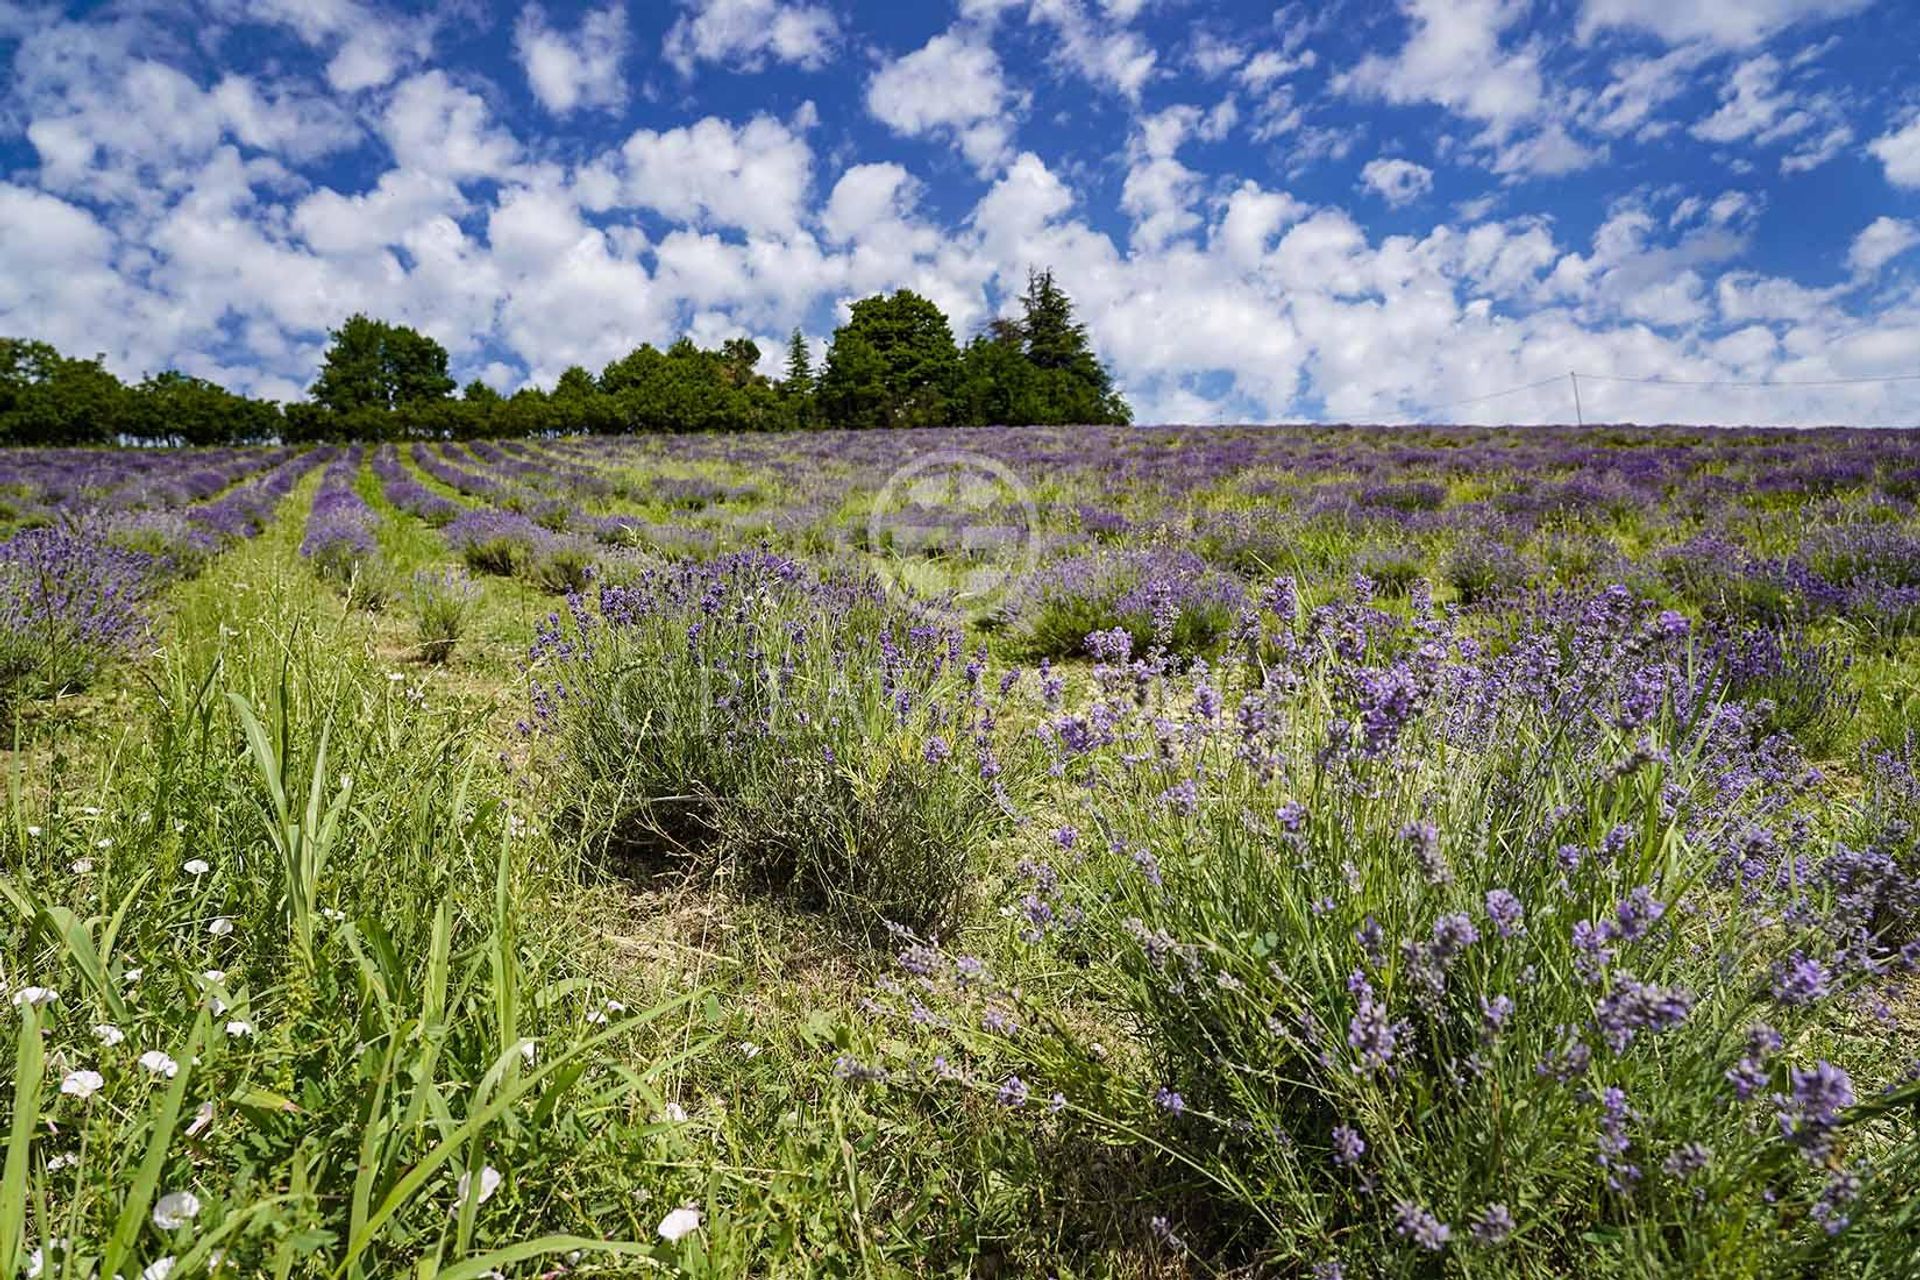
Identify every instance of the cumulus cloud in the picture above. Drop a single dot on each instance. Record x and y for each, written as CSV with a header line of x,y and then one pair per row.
x,y
1899,153
1397,181
221,219
754,176
951,86
567,72
1879,243
438,127
1459,55
747,34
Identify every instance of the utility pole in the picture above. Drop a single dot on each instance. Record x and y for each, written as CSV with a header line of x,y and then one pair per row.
x,y
1579,418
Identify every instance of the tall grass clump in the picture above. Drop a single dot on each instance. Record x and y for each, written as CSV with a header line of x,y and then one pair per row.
x,y
282,1001
444,604
807,733
1444,955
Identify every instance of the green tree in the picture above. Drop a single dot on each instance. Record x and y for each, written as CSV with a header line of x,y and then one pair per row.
x,y
739,357
796,389
50,399
575,384
799,379
1070,385
171,407
893,364
371,364
996,378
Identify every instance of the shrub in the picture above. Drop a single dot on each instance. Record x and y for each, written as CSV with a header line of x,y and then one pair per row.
x,y
1481,569
1421,976
443,602
69,604
808,734
1161,598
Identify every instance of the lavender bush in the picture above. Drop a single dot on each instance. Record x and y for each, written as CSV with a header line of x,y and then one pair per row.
x,y
1471,956
1170,598
808,733
69,603
339,542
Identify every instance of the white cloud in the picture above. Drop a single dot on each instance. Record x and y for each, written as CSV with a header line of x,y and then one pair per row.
x,y
1879,243
435,126
1899,152
581,70
1737,23
1455,56
1101,49
1639,87
176,218
754,176
369,47
747,34
951,86
1397,181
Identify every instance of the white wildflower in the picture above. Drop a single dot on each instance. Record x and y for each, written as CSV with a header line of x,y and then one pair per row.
x,y
108,1034
220,927
159,1270
38,997
489,1183
679,1224
82,1084
82,866
197,866
159,1064
175,1209
239,1027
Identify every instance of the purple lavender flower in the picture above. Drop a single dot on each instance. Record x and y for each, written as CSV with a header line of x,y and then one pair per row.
x,y
1423,841
1506,913
1493,1224
1369,1033
1411,1222
1452,935
1809,1116
1348,1145
1494,1013
1686,1160
1013,1093
1632,1007
1169,1101
1801,980
1614,1142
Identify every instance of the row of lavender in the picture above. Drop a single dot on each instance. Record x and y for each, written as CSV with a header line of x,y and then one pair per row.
x,y
1769,526
77,584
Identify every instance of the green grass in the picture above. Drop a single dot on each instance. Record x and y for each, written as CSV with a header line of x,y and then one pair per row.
x,y
440,977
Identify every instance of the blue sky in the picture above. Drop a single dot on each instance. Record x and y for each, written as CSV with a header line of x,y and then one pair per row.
x,y
1379,212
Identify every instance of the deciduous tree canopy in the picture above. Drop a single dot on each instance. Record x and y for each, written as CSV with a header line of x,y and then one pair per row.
x,y
894,363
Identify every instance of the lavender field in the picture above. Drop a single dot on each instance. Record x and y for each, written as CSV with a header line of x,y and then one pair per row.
x,y
1323,852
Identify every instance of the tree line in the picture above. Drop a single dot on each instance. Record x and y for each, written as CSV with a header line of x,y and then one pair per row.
x,y
895,363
